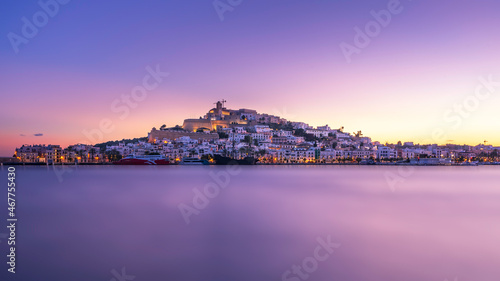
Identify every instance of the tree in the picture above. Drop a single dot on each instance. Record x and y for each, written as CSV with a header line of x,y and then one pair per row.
x,y
494,154
247,139
223,135
113,155
207,157
302,133
92,152
244,150
299,132
163,127
177,128
483,154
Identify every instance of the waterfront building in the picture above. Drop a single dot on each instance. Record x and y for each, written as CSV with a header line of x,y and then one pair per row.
x,y
407,153
362,153
328,156
384,152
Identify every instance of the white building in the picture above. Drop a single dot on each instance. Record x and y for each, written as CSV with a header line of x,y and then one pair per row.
x,y
262,137
384,152
324,128
363,154
262,129
317,133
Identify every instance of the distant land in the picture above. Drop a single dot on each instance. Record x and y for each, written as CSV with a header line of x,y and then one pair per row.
x,y
269,138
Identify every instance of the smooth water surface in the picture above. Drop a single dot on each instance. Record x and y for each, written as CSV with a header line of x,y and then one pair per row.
x,y
392,223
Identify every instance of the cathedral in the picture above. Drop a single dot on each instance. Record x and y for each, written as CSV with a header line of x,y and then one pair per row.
x,y
221,117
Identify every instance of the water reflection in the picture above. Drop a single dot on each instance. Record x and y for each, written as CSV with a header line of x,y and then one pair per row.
x,y
437,223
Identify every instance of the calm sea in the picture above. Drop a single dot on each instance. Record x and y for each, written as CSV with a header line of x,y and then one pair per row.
x,y
259,223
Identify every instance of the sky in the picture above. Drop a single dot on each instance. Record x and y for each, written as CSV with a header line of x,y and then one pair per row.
x,y
77,71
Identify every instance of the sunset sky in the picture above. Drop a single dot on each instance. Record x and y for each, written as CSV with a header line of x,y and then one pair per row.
x,y
277,57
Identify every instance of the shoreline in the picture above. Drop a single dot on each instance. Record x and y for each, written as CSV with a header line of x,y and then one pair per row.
x,y
258,164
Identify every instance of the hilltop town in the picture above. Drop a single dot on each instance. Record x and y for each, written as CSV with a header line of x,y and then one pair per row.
x,y
270,139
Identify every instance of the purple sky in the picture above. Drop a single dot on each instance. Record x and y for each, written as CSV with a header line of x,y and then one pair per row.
x,y
279,57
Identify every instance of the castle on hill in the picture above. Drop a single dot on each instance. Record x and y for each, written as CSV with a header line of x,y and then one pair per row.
x,y
217,119
220,117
